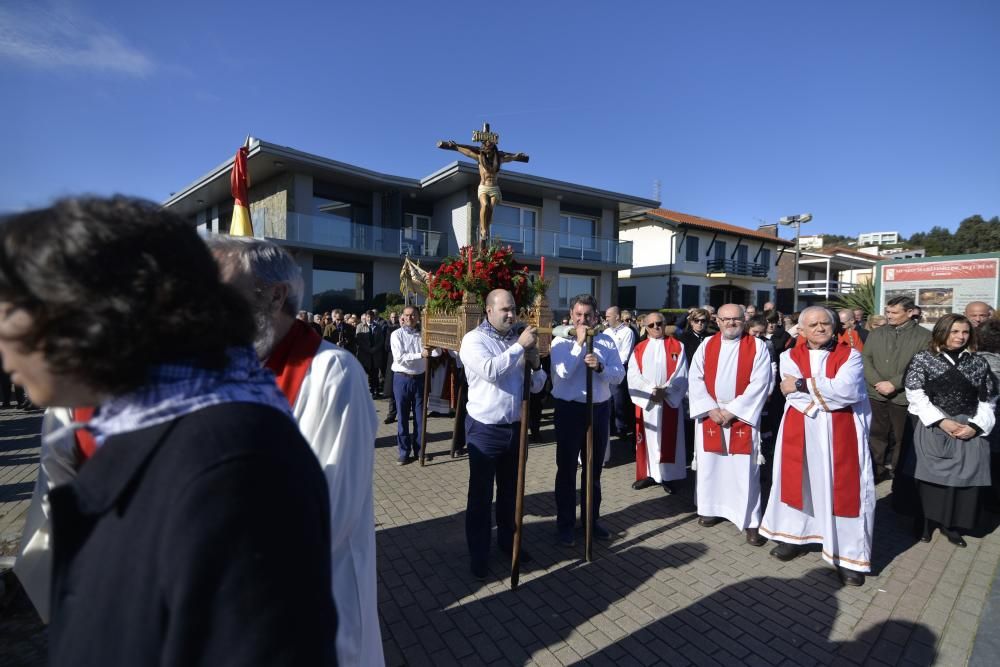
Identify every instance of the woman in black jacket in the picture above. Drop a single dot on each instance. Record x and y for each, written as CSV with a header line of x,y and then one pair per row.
x,y
694,333
164,551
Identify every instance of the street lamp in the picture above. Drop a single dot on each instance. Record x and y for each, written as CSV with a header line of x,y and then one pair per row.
x,y
798,221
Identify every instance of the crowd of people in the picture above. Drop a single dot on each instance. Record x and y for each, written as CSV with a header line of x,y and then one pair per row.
x,y
182,377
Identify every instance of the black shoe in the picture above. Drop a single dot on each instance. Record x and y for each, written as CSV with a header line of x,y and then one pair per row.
x,y
851,577
459,452
479,571
709,521
601,533
786,552
524,556
403,460
668,488
754,538
926,531
565,538
954,538
389,420
641,484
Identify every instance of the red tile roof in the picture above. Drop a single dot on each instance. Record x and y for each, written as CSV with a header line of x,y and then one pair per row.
x,y
688,220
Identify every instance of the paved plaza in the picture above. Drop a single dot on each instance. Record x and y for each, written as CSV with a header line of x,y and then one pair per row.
x,y
665,591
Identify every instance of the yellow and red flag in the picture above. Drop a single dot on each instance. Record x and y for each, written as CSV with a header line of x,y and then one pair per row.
x,y
239,182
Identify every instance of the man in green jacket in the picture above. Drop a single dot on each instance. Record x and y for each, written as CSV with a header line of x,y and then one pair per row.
x,y
886,355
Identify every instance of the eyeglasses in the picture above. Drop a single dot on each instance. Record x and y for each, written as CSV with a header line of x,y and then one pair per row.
x,y
730,320
700,320
655,325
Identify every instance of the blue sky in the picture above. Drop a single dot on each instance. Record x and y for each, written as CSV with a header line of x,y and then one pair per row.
x,y
872,115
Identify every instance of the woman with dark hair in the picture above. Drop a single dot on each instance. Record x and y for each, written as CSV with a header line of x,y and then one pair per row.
x,y
163,549
952,393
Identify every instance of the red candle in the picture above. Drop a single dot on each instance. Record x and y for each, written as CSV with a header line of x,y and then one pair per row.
x,y
541,274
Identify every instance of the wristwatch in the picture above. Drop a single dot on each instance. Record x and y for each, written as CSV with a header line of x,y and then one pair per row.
x,y
800,385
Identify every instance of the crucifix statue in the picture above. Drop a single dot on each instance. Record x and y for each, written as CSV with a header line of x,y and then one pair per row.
x,y
489,158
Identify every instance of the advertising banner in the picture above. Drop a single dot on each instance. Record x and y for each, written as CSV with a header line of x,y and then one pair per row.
x,y
940,285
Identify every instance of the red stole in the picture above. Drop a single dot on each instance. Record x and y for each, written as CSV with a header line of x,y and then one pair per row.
x,y
851,337
291,357
85,442
741,433
668,421
846,468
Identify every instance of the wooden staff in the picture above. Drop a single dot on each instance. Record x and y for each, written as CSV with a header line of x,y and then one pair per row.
x,y
589,531
427,394
522,458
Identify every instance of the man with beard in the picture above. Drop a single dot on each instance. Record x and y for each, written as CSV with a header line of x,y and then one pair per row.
x,y
729,386
823,489
494,356
328,392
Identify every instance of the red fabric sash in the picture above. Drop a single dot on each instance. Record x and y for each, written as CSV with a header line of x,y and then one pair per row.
x,y
852,338
668,422
291,358
85,442
740,439
846,468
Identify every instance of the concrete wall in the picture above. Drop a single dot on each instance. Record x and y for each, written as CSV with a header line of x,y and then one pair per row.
x,y
451,217
269,206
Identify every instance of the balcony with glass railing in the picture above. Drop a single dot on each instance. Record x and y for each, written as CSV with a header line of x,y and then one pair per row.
x,y
546,243
340,233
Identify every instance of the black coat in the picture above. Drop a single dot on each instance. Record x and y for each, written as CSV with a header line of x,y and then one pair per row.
x,y
691,341
201,541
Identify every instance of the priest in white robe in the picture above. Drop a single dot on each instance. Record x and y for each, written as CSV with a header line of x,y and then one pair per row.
x,y
657,384
823,488
328,391
730,380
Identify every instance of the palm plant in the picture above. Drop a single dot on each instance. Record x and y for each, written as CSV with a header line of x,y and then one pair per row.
x,y
862,297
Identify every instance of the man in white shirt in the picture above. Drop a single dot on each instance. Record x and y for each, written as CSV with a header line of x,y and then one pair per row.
x,y
570,362
494,356
409,363
730,383
625,339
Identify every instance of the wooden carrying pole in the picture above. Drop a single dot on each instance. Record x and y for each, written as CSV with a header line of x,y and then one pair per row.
x,y
522,459
589,530
423,422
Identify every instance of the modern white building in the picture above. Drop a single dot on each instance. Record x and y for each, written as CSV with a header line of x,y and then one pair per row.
x,y
878,238
811,242
349,227
681,260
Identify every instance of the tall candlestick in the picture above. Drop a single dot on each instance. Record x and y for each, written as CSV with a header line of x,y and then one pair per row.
x,y
541,273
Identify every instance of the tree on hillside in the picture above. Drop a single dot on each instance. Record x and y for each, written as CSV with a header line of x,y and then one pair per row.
x,y
974,235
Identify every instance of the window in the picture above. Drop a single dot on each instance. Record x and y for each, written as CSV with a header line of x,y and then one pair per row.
x,y
338,289
572,284
417,237
765,259
577,232
763,296
516,226
720,249
691,249
689,296
741,254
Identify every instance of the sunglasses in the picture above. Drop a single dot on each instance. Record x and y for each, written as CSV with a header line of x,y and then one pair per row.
x,y
701,320
655,325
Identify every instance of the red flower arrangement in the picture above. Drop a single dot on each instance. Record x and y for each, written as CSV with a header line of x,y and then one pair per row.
x,y
492,268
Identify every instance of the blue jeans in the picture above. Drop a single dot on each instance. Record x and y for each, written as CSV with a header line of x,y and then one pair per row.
x,y
492,457
571,440
408,392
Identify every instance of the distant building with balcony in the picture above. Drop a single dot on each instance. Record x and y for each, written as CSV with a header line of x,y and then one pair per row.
x,y
823,276
902,253
878,238
681,260
349,227
811,242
